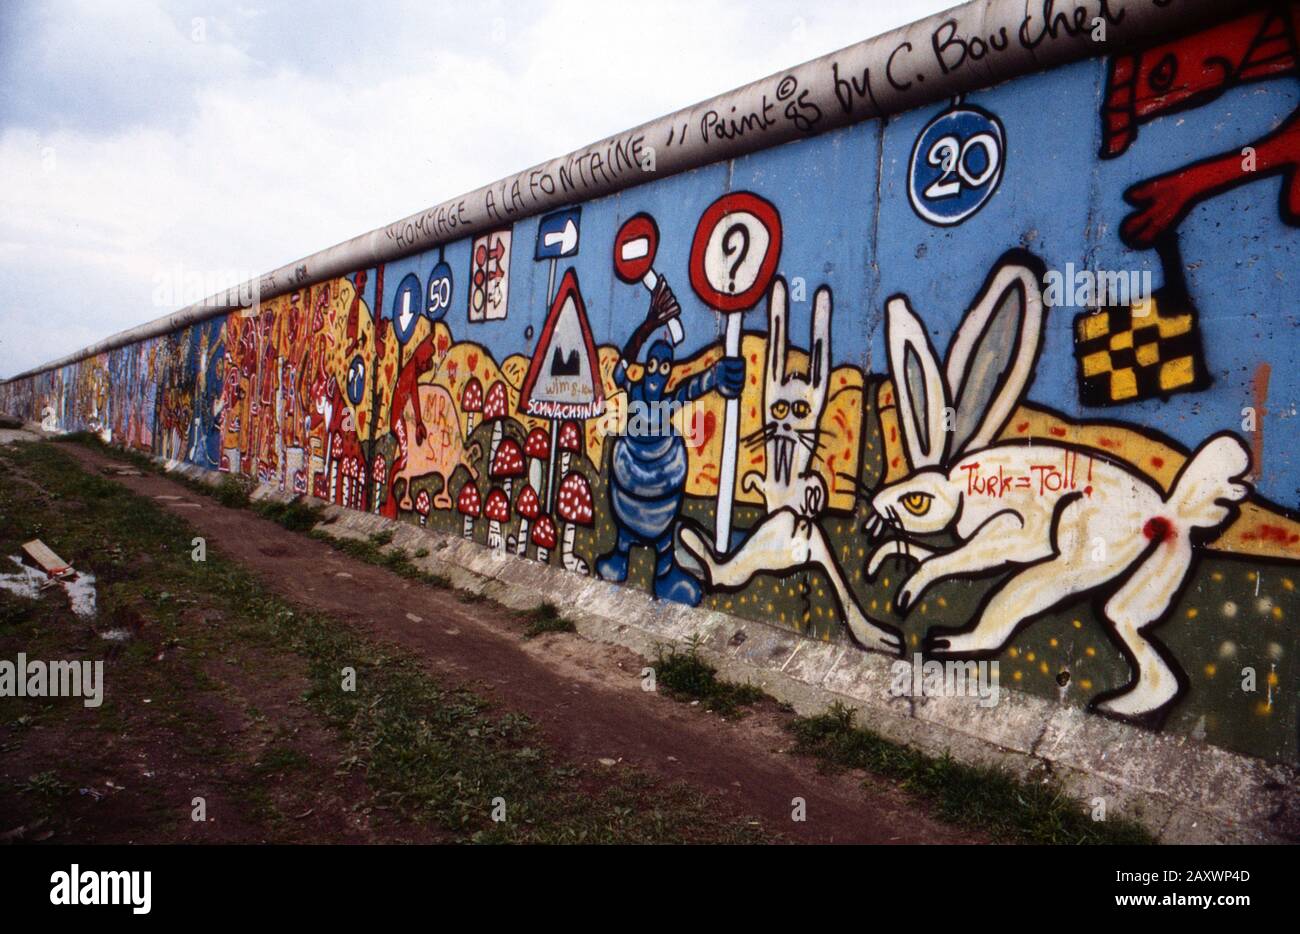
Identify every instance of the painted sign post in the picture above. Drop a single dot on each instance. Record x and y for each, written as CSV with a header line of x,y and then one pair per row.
x,y
635,246
557,238
733,259
563,380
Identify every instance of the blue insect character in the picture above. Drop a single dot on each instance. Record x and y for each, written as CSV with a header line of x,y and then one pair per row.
x,y
649,463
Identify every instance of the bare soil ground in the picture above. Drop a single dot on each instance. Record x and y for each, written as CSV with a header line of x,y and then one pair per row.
x,y
271,770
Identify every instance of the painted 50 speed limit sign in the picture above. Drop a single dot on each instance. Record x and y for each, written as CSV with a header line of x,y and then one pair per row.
x,y
956,164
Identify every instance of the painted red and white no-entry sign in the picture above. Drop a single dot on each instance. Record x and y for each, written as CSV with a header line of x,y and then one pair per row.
x,y
635,246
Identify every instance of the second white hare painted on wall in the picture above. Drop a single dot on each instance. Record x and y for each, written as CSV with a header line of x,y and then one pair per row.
x,y
1063,520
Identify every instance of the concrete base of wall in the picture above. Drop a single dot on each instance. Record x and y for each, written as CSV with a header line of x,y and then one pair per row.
x,y
1183,790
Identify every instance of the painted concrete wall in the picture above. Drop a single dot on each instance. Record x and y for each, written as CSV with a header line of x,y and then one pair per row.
x,y
946,440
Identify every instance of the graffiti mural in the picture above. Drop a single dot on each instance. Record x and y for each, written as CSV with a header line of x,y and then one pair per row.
x,y
877,386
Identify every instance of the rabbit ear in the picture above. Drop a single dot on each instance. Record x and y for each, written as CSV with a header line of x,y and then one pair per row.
x,y
819,353
918,385
776,333
992,356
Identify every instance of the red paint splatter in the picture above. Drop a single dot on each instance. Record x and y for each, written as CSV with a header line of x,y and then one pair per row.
x,y
1157,462
1087,491
1109,443
1276,533
1058,431
1158,529
703,428
1022,427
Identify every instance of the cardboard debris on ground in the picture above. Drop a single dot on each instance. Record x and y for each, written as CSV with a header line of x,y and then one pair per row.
x,y
46,559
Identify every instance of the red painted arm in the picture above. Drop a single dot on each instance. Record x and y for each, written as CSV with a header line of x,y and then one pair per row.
x,y
1164,201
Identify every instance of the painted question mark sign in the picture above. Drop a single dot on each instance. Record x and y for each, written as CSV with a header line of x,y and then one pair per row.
x,y
733,259
735,250
734,232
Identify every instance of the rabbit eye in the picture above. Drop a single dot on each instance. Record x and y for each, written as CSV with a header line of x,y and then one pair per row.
x,y
918,504
801,409
779,409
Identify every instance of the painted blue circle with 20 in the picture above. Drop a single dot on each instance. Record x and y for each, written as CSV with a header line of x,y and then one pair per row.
x,y
956,165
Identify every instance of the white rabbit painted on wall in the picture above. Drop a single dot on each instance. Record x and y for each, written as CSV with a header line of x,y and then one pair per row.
x,y
789,538
1065,521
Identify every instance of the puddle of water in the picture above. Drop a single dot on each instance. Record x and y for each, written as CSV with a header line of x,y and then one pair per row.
x,y
28,581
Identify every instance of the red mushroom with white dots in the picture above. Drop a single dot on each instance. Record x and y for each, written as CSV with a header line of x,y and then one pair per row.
x,y
537,448
570,443
497,510
495,408
544,537
470,505
528,506
507,463
575,507
471,402
422,506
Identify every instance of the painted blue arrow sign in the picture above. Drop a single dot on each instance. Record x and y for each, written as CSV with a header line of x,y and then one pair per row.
x,y
557,234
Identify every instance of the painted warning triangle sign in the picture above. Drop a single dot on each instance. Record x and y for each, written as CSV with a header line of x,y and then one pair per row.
x,y
563,379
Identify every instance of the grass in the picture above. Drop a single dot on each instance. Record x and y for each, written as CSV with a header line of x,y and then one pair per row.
x,y
430,752
394,559
684,675
982,798
985,799
297,515
546,618
232,491
46,784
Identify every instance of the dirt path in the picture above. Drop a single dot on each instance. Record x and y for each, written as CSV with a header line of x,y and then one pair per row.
x,y
584,696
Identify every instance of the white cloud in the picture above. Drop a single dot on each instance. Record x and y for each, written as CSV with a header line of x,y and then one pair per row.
x,y
273,137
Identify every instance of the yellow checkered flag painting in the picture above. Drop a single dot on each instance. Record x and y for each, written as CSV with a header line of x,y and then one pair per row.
x,y
1146,350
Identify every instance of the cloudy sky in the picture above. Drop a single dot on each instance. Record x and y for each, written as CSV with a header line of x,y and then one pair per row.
x,y
142,142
